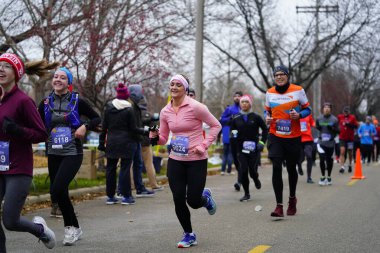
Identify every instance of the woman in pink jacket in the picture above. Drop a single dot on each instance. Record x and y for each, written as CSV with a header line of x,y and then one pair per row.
x,y
187,165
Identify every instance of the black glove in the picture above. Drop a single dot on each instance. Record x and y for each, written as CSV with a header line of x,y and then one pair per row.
x,y
101,147
153,141
10,127
260,146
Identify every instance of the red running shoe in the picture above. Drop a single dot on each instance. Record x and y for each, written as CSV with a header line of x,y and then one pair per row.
x,y
292,207
278,212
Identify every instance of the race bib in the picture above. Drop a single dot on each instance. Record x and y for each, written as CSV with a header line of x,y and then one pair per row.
x,y
180,145
249,146
60,136
303,126
4,156
283,126
325,137
366,133
376,138
350,145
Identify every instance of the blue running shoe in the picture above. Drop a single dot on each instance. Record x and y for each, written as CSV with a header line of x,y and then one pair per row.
x,y
144,194
210,204
111,201
189,239
128,201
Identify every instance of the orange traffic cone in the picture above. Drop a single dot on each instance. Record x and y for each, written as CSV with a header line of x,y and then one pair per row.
x,y
358,174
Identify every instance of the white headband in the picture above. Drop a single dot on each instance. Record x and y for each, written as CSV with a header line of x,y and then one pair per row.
x,y
180,79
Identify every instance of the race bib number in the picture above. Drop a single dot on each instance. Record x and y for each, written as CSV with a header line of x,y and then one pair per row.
x,y
249,146
350,145
366,133
283,126
180,145
376,138
60,136
325,137
303,126
4,156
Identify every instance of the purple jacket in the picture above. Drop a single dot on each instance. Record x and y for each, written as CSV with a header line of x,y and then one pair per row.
x,y
20,108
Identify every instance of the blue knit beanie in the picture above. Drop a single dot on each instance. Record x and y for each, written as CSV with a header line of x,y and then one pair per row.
x,y
281,68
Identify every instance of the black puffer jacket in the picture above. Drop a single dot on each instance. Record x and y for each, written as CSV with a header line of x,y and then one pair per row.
x,y
119,129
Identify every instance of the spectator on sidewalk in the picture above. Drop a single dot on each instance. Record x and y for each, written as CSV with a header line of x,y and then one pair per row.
x,y
146,148
136,95
119,139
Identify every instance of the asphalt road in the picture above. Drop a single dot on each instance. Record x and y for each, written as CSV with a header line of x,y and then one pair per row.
x,y
344,217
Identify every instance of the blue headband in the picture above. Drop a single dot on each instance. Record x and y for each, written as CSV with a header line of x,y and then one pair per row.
x,y
68,73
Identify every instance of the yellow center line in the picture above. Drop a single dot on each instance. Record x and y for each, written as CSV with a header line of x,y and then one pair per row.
x,y
352,182
260,249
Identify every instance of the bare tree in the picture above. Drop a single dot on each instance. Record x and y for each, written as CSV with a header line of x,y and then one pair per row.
x,y
28,24
270,44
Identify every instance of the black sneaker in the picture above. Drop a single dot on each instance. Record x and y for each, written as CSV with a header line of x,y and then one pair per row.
x,y
246,197
349,169
237,186
341,170
144,194
257,183
300,171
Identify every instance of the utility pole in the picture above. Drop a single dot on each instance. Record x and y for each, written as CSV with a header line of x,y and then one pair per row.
x,y
199,50
317,86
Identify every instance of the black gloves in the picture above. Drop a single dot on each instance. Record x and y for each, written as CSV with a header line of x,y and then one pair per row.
x,y
101,147
10,127
153,141
260,146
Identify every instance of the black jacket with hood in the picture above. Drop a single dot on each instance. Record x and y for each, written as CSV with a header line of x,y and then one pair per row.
x,y
119,129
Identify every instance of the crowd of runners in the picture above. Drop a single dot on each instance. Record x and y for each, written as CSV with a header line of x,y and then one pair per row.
x,y
287,130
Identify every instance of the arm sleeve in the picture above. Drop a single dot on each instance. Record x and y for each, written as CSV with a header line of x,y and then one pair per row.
x,y
202,113
164,129
86,110
226,117
263,126
132,124
103,133
34,131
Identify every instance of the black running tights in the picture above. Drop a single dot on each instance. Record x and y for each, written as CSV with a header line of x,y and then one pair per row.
x,y
187,180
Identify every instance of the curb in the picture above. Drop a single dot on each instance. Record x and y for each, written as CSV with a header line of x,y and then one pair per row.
x,y
102,188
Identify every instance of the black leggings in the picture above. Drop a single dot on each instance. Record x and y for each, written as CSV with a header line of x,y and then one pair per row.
x,y
366,150
234,152
248,165
326,160
277,177
187,180
62,170
307,151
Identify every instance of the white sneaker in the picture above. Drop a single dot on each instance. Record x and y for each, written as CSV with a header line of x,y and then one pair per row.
x,y
222,173
322,181
69,238
78,233
48,236
231,173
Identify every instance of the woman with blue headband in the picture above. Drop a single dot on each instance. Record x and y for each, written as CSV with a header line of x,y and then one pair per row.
x,y
62,111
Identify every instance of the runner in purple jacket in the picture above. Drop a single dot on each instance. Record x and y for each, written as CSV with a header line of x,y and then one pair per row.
x,y
21,126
